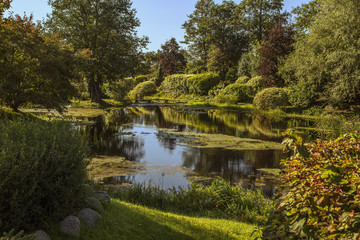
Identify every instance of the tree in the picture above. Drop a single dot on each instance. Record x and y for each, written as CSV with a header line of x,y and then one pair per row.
x,y
159,77
4,5
197,31
305,15
227,35
259,16
107,29
171,59
274,47
325,63
35,67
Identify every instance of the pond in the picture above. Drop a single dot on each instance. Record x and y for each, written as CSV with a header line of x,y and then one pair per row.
x,y
163,141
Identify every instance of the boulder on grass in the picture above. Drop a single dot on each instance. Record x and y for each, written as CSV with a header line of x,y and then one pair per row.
x,y
70,226
94,204
41,235
89,217
103,197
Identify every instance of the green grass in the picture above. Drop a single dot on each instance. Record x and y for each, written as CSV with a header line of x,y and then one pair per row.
x,y
128,221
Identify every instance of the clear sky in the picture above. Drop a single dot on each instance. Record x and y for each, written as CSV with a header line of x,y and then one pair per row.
x,y
160,19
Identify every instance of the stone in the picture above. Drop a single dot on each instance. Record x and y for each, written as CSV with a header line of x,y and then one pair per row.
x,y
41,235
89,217
70,226
94,204
103,197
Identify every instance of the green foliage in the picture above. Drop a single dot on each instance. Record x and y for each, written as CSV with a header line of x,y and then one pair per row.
x,y
220,199
257,83
143,89
256,22
42,171
35,67
159,77
16,236
319,197
328,69
176,83
106,32
242,80
231,75
171,58
118,90
248,63
140,79
200,84
19,236
236,93
271,98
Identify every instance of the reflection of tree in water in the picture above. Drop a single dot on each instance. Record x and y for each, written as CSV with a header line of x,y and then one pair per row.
x,y
120,180
229,164
107,139
166,141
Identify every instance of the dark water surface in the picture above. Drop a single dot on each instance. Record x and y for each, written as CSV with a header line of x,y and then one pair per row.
x,y
133,133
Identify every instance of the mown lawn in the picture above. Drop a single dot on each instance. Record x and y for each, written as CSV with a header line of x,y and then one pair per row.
x,y
128,221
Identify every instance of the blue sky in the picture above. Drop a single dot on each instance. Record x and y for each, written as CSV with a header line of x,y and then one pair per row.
x,y
160,19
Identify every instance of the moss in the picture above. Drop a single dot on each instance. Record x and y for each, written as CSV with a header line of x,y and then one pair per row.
x,y
203,140
110,166
270,171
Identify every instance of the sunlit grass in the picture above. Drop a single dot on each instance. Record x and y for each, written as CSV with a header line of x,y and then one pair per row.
x,y
128,221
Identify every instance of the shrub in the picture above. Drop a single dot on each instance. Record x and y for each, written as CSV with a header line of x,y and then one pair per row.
x,y
201,83
231,75
147,88
140,79
257,83
320,197
176,83
271,98
42,171
242,80
220,199
118,90
235,93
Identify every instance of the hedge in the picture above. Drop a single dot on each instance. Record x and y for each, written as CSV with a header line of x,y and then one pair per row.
x,y
271,98
200,84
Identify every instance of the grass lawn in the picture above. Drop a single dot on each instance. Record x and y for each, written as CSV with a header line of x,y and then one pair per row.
x,y
128,221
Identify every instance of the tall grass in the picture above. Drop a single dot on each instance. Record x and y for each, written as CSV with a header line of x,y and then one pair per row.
x,y
218,200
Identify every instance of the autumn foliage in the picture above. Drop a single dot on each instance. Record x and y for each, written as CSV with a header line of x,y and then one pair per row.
x,y
320,196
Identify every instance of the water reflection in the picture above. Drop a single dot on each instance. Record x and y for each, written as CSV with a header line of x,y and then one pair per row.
x,y
132,133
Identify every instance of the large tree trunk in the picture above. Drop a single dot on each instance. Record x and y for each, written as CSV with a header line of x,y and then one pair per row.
x,y
94,89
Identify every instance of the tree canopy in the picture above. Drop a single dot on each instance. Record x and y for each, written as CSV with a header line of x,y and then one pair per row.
x,y
35,67
107,29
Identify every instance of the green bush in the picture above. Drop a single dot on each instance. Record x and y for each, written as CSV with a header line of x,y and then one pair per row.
x,y
42,171
176,83
147,88
235,93
257,83
140,79
319,196
220,199
200,84
242,80
231,75
271,98
118,90
17,236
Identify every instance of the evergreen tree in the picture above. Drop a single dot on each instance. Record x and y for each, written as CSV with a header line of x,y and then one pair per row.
x,y
171,59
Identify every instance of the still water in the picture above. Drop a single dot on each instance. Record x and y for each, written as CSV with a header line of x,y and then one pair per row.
x,y
135,133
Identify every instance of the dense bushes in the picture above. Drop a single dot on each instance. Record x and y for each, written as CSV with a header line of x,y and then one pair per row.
x,y
42,171
144,89
257,83
271,98
118,90
235,93
320,191
176,83
242,80
220,199
140,79
201,83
